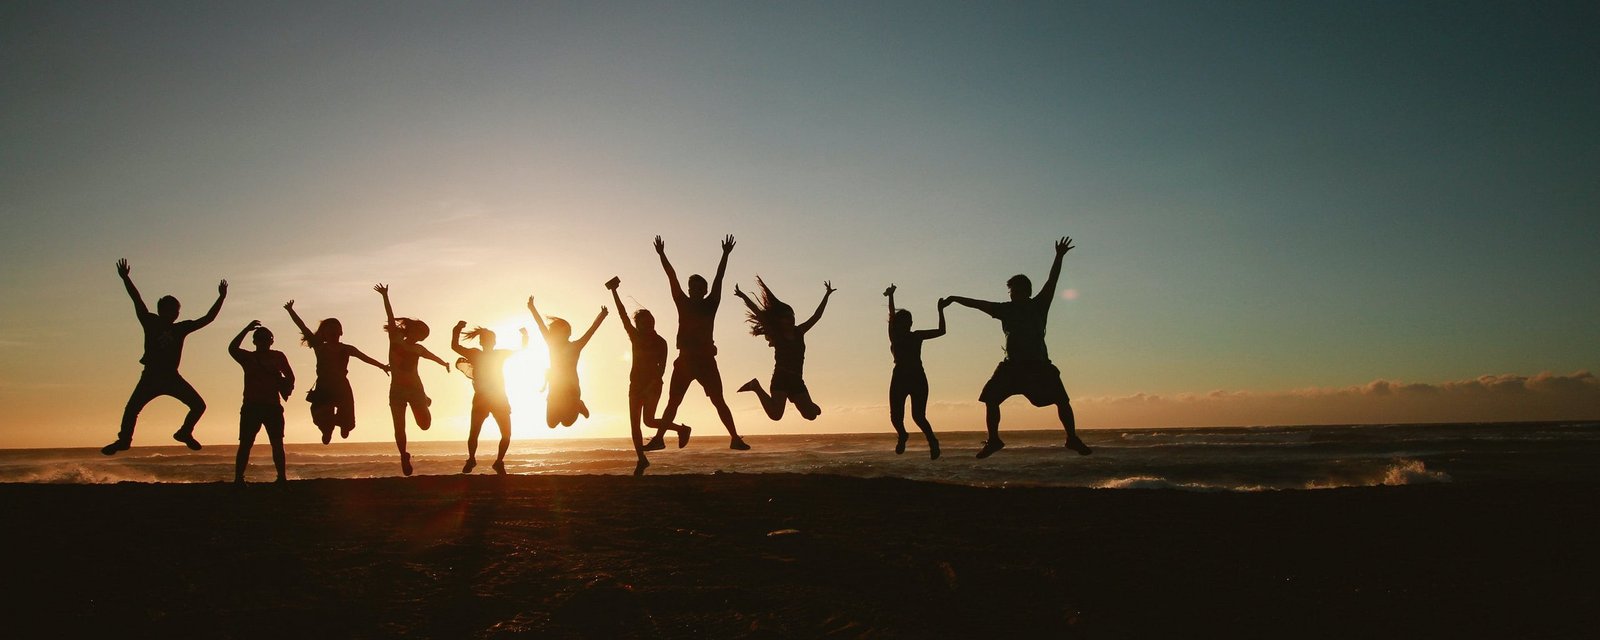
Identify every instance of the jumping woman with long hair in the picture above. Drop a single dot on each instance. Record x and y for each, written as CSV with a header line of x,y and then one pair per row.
x,y
405,388
564,402
908,379
486,367
333,404
774,319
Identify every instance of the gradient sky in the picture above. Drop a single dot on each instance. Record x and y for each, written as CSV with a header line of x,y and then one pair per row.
x,y
1276,204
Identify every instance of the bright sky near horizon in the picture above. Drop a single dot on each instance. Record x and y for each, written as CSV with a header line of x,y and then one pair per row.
x,y
1286,212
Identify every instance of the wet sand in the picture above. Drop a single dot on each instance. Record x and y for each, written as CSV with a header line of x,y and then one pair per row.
x,y
798,556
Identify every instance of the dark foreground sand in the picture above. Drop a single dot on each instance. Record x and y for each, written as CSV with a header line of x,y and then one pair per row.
x,y
696,556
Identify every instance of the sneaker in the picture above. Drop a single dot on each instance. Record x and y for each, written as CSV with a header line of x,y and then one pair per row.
x,y
638,469
738,444
467,468
933,449
752,385
1077,445
655,444
187,438
990,446
499,467
113,448
405,463
683,437
900,444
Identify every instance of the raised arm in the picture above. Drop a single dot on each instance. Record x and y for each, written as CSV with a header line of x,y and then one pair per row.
x,y
622,313
311,338
929,334
1048,291
388,311
544,331
424,352
216,307
722,267
455,340
981,305
672,275
889,293
598,318
123,269
236,347
827,293
366,358
748,303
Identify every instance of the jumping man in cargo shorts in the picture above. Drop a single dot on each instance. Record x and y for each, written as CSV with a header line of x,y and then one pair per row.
x,y
1026,370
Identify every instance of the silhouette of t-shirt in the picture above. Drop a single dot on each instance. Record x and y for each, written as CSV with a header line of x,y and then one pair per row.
x,y
649,357
163,342
403,365
333,359
696,320
488,373
907,349
563,356
1023,323
789,355
263,373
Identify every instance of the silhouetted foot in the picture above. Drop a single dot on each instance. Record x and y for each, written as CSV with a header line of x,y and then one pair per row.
x,y
1077,445
933,449
499,467
990,446
638,469
405,463
344,432
752,385
655,444
683,437
281,481
424,427
113,448
187,438
238,482
738,443
900,444
467,468
327,435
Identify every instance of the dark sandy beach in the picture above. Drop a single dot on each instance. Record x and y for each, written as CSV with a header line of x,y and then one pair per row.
x,y
703,556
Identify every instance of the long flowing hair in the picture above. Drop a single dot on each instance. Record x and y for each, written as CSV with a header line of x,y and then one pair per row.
x,y
328,330
771,314
477,333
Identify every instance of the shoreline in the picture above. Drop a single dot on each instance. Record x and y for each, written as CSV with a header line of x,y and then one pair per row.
x,y
790,555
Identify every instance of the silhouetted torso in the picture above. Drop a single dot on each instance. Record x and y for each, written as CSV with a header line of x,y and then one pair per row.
x,y
263,372
696,323
907,349
163,342
403,365
333,359
789,354
1024,323
649,357
488,373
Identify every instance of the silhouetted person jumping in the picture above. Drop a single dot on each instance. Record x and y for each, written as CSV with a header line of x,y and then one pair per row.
x,y
909,379
644,380
333,403
163,348
1026,370
405,385
564,401
774,319
486,368
697,351
267,379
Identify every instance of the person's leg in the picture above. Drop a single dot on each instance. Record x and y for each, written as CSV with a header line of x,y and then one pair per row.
x,y
420,412
710,379
677,387
773,403
322,415
185,393
897,414
1064,411
397,413
991,415
800,395
274,424
345,413
475,425
249,423
919,413
143,393
635,409
502,419
651,397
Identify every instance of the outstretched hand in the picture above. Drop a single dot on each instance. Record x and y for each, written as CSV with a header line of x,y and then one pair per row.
x,y
530,303
222,288
123,269
253,325
1064,245
889,291
460,324
381,288
944,302
661,247
827,286
523,331
738,293
604,311
289,306
446,366
727,244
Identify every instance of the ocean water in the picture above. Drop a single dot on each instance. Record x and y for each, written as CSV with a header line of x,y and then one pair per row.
x,y
1199,459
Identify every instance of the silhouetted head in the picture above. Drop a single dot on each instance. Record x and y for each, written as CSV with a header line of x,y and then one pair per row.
x,y
772,317
901,321
262,338
167,308
411,329
645,320
484,337
329,330
1021,287
697,286
560,329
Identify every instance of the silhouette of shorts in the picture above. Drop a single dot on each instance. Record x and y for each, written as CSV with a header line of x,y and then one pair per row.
x,y
253,417
401,395
698,366
1037,380
640,390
